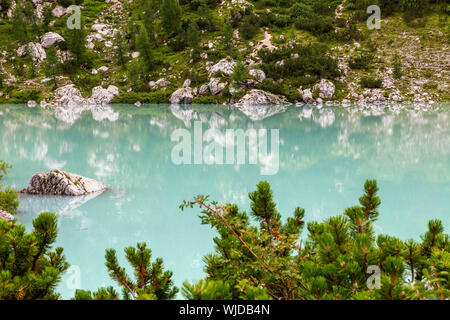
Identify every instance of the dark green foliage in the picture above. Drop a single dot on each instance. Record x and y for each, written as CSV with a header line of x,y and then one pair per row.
x,y
227,36
145,47
301,10
369,82
66,3
336,261
171,16
151,281
19,95
315,24
76,44
120,52
143,97
397,66
52,65
193,40
3,168
289,91
249,27
28,269
19,25
9,201
240,73
312,59
361,62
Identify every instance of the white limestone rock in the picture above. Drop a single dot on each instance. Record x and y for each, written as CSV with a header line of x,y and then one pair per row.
x,y
35,49
62,183
258,75
326,89
224,66
59,11
50,38
182,96
215,86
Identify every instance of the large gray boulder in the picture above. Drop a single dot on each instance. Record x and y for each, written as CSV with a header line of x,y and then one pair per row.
x,y
59,11
307,96
182,96
6,215
62,183
50,38
69,95
36,51
215,86
102,96
326,89
258,75
224,66
259,97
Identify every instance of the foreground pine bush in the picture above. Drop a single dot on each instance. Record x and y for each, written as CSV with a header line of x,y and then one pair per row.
x,y
29,270
340,257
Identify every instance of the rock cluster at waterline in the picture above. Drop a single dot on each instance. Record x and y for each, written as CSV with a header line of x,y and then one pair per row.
x,y
62,183
6,215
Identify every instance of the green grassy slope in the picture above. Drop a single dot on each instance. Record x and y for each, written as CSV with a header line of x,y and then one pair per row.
x,y
308,40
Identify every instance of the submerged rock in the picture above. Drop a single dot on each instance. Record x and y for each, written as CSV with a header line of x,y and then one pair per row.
x,y
62,183
259,97
6,215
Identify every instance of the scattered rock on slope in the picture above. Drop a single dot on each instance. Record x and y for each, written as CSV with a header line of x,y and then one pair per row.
x,y
50,38
225,66
35,49
62,183
259,97
325,88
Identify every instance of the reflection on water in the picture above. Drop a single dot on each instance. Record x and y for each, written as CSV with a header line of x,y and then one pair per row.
x,y
326,153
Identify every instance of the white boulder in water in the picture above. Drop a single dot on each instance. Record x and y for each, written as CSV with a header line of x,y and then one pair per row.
x,y
62,183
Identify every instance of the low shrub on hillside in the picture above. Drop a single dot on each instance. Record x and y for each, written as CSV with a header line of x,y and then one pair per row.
x,y
143,97
371,83
298,61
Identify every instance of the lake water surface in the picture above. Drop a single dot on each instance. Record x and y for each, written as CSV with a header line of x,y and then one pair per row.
x,y
325,156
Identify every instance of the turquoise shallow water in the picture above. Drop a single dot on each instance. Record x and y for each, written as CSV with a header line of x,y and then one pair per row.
x,y
325,157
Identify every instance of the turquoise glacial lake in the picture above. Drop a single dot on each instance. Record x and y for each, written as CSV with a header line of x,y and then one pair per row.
x,y
325,155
